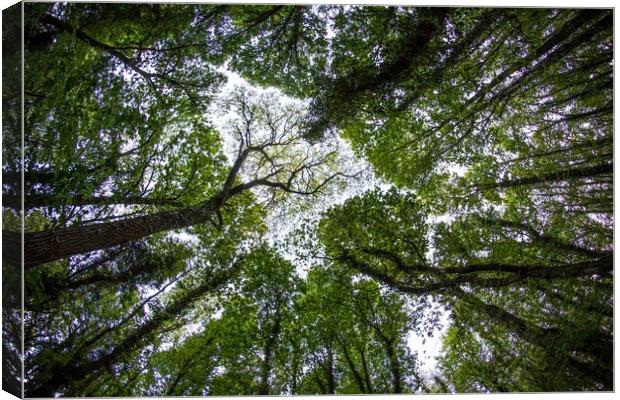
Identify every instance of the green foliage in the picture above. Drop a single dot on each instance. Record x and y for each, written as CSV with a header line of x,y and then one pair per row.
x,y
153,265
374,221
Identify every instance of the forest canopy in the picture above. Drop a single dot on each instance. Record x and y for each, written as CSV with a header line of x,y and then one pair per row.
x,y
271,199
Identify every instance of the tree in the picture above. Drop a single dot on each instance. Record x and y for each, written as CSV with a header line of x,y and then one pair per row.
x,y
354,337
184,236
302,173
72,369
383,236
104,312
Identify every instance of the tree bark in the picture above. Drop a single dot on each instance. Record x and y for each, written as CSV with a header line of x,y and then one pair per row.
x,y
356,375
45,246
50,245
268,354
394,365
552,177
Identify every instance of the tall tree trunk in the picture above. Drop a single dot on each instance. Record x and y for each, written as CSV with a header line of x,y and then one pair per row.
x,y
483,25
542,238
330,371
360,81
395,368
555,56
389,345
554,47
586,144
50,245
367,380
598,347
359,380
553,177
533,334
268,351
55,244
294,372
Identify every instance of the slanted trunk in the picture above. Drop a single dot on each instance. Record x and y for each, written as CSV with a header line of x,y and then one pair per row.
x,y
56,244
598,347
395,368
359,380
531,333
268,354
542,238
389,344
554,177
367,380
556,41
50,245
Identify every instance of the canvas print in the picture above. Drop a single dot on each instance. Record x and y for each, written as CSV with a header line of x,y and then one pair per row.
x,y
229,199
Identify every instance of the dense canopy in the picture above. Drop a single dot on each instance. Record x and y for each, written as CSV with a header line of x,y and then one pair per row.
x,y
271,199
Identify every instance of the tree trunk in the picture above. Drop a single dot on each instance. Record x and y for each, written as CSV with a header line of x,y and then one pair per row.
x,y
542,238
553,177
394,365
543,337
482,26
367,380
268,354
599,347
581,19
50,245
30,177
356,375
329,370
